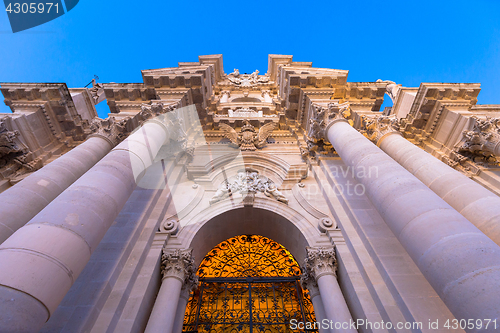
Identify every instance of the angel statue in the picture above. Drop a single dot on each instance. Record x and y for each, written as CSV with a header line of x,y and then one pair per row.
x,y
272,191
248,138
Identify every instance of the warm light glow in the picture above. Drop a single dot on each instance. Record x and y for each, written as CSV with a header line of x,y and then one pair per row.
x,y
227,300
248,255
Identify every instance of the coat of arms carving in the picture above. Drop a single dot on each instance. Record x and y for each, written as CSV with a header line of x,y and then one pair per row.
x,y
248,138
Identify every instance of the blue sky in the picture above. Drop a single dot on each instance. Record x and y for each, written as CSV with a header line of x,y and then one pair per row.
x,y
405,41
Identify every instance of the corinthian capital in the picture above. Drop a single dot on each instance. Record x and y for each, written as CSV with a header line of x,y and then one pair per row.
x,y
179,264
154,109
483,139
109,129
322,117
320,261
376,129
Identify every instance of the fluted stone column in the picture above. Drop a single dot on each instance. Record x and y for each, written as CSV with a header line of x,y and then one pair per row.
x,y
458,260
320,263
309,282
42,260
469,198
178,273
22,202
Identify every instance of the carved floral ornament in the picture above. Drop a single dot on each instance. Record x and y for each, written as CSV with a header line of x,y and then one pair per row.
x,y
482,141
8,142
14,152
248,138
248,182
179,264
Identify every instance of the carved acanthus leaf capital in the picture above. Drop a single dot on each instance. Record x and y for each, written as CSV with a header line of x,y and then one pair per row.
x,y
321,117
320,261
377,128
179,264
111,130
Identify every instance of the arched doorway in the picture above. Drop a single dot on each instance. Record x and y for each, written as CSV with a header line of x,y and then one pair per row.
x,y
248,283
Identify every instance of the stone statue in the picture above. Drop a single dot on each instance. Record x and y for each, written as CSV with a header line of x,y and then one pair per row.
x,y
391,88
247,182
272,190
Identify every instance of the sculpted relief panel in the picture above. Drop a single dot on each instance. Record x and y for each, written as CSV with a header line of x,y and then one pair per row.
x,y
248,182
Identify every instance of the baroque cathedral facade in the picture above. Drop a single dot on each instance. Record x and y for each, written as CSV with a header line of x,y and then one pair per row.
x,y
283,202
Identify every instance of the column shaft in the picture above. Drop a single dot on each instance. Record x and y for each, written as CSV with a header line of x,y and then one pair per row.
x,y
20,203
44,258
470,199
165,308
319,311
181,310
458,260
336,309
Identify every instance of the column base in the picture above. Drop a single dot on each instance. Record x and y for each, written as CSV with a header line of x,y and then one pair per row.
x,y
19,312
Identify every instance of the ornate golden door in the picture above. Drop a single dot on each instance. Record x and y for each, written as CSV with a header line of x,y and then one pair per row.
x,y
248,283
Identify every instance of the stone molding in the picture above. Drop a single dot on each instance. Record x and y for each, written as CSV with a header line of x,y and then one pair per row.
x,y
320,261
378,128
179,264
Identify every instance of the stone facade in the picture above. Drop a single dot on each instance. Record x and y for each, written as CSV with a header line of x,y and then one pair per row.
x,y
394,215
